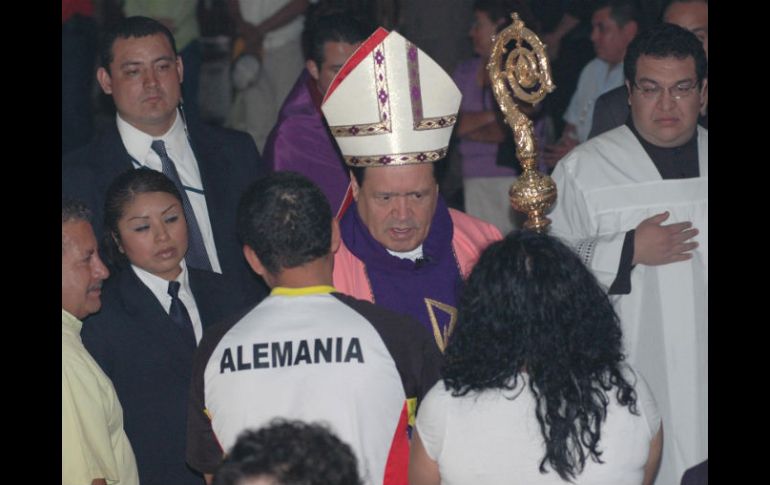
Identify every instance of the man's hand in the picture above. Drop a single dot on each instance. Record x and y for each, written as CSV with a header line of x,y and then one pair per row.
x,y
656,244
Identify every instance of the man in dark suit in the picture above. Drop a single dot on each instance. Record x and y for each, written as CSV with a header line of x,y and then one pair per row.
x,y
140,69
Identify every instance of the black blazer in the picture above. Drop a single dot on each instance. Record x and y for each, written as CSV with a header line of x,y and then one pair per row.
x,y
228,161
610,111
697,475
139,347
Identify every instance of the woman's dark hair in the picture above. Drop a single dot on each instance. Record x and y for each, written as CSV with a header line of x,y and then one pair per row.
x,y
123,189
531,306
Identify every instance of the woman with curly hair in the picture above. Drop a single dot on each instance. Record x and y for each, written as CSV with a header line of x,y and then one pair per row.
x,y
535,390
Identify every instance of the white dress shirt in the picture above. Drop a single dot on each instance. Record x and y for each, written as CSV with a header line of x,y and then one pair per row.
x,y
597,78
159,288
178,147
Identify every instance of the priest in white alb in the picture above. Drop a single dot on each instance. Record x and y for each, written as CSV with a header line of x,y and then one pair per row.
x,y
634,204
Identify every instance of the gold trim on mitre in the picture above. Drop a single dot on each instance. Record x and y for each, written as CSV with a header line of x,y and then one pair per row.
x,y
383,102
420,122
391,104
396,159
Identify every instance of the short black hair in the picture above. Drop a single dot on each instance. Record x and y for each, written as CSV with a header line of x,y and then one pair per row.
x,y
661,41
332,27
136,26
74,210
122,190
291,453
286,220
621,11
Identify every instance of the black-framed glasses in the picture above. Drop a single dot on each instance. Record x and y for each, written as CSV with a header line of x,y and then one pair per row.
x,y
652,90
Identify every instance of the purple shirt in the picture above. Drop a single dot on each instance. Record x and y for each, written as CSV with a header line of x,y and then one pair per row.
x,y
479,158
301,142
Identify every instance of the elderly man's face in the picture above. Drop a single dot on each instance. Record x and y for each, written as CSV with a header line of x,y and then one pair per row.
x,y
693,16
660,118
397,204
144,81
82,271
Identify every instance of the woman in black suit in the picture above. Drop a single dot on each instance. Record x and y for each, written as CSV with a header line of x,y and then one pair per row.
x,y
154,311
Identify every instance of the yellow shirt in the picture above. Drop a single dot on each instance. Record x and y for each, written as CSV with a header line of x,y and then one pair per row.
x,y
93,442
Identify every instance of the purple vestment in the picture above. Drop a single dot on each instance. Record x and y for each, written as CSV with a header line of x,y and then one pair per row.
x,y
301,142
427,289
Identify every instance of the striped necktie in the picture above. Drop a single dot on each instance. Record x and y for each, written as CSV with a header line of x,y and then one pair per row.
x,y
196,251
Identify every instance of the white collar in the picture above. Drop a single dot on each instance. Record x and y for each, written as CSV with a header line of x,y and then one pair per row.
x,y
138,143
413,255
159,286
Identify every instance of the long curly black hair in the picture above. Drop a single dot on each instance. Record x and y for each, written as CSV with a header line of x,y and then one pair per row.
x,y
531,306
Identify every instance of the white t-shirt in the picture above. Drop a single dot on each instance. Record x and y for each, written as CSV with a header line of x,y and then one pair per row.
x,y
493,437
257,11
313,355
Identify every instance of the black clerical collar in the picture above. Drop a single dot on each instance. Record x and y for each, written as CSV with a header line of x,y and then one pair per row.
x,y
672,163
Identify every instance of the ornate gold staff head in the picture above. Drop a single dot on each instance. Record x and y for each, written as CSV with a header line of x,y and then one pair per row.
x,y
525,69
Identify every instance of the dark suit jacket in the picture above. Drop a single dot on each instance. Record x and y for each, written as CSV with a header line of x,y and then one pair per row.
x,y
228,161
610,111
143,352
697,475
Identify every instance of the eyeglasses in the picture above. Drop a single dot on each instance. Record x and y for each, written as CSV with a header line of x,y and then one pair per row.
x,y
654,91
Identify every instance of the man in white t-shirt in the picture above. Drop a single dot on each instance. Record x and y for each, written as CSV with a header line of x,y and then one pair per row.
x,y
307,351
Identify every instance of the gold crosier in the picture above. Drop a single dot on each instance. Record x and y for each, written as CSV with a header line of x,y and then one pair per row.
x,y
526,70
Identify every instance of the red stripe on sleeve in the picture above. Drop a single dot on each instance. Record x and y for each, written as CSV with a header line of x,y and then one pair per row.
x,y
397,466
